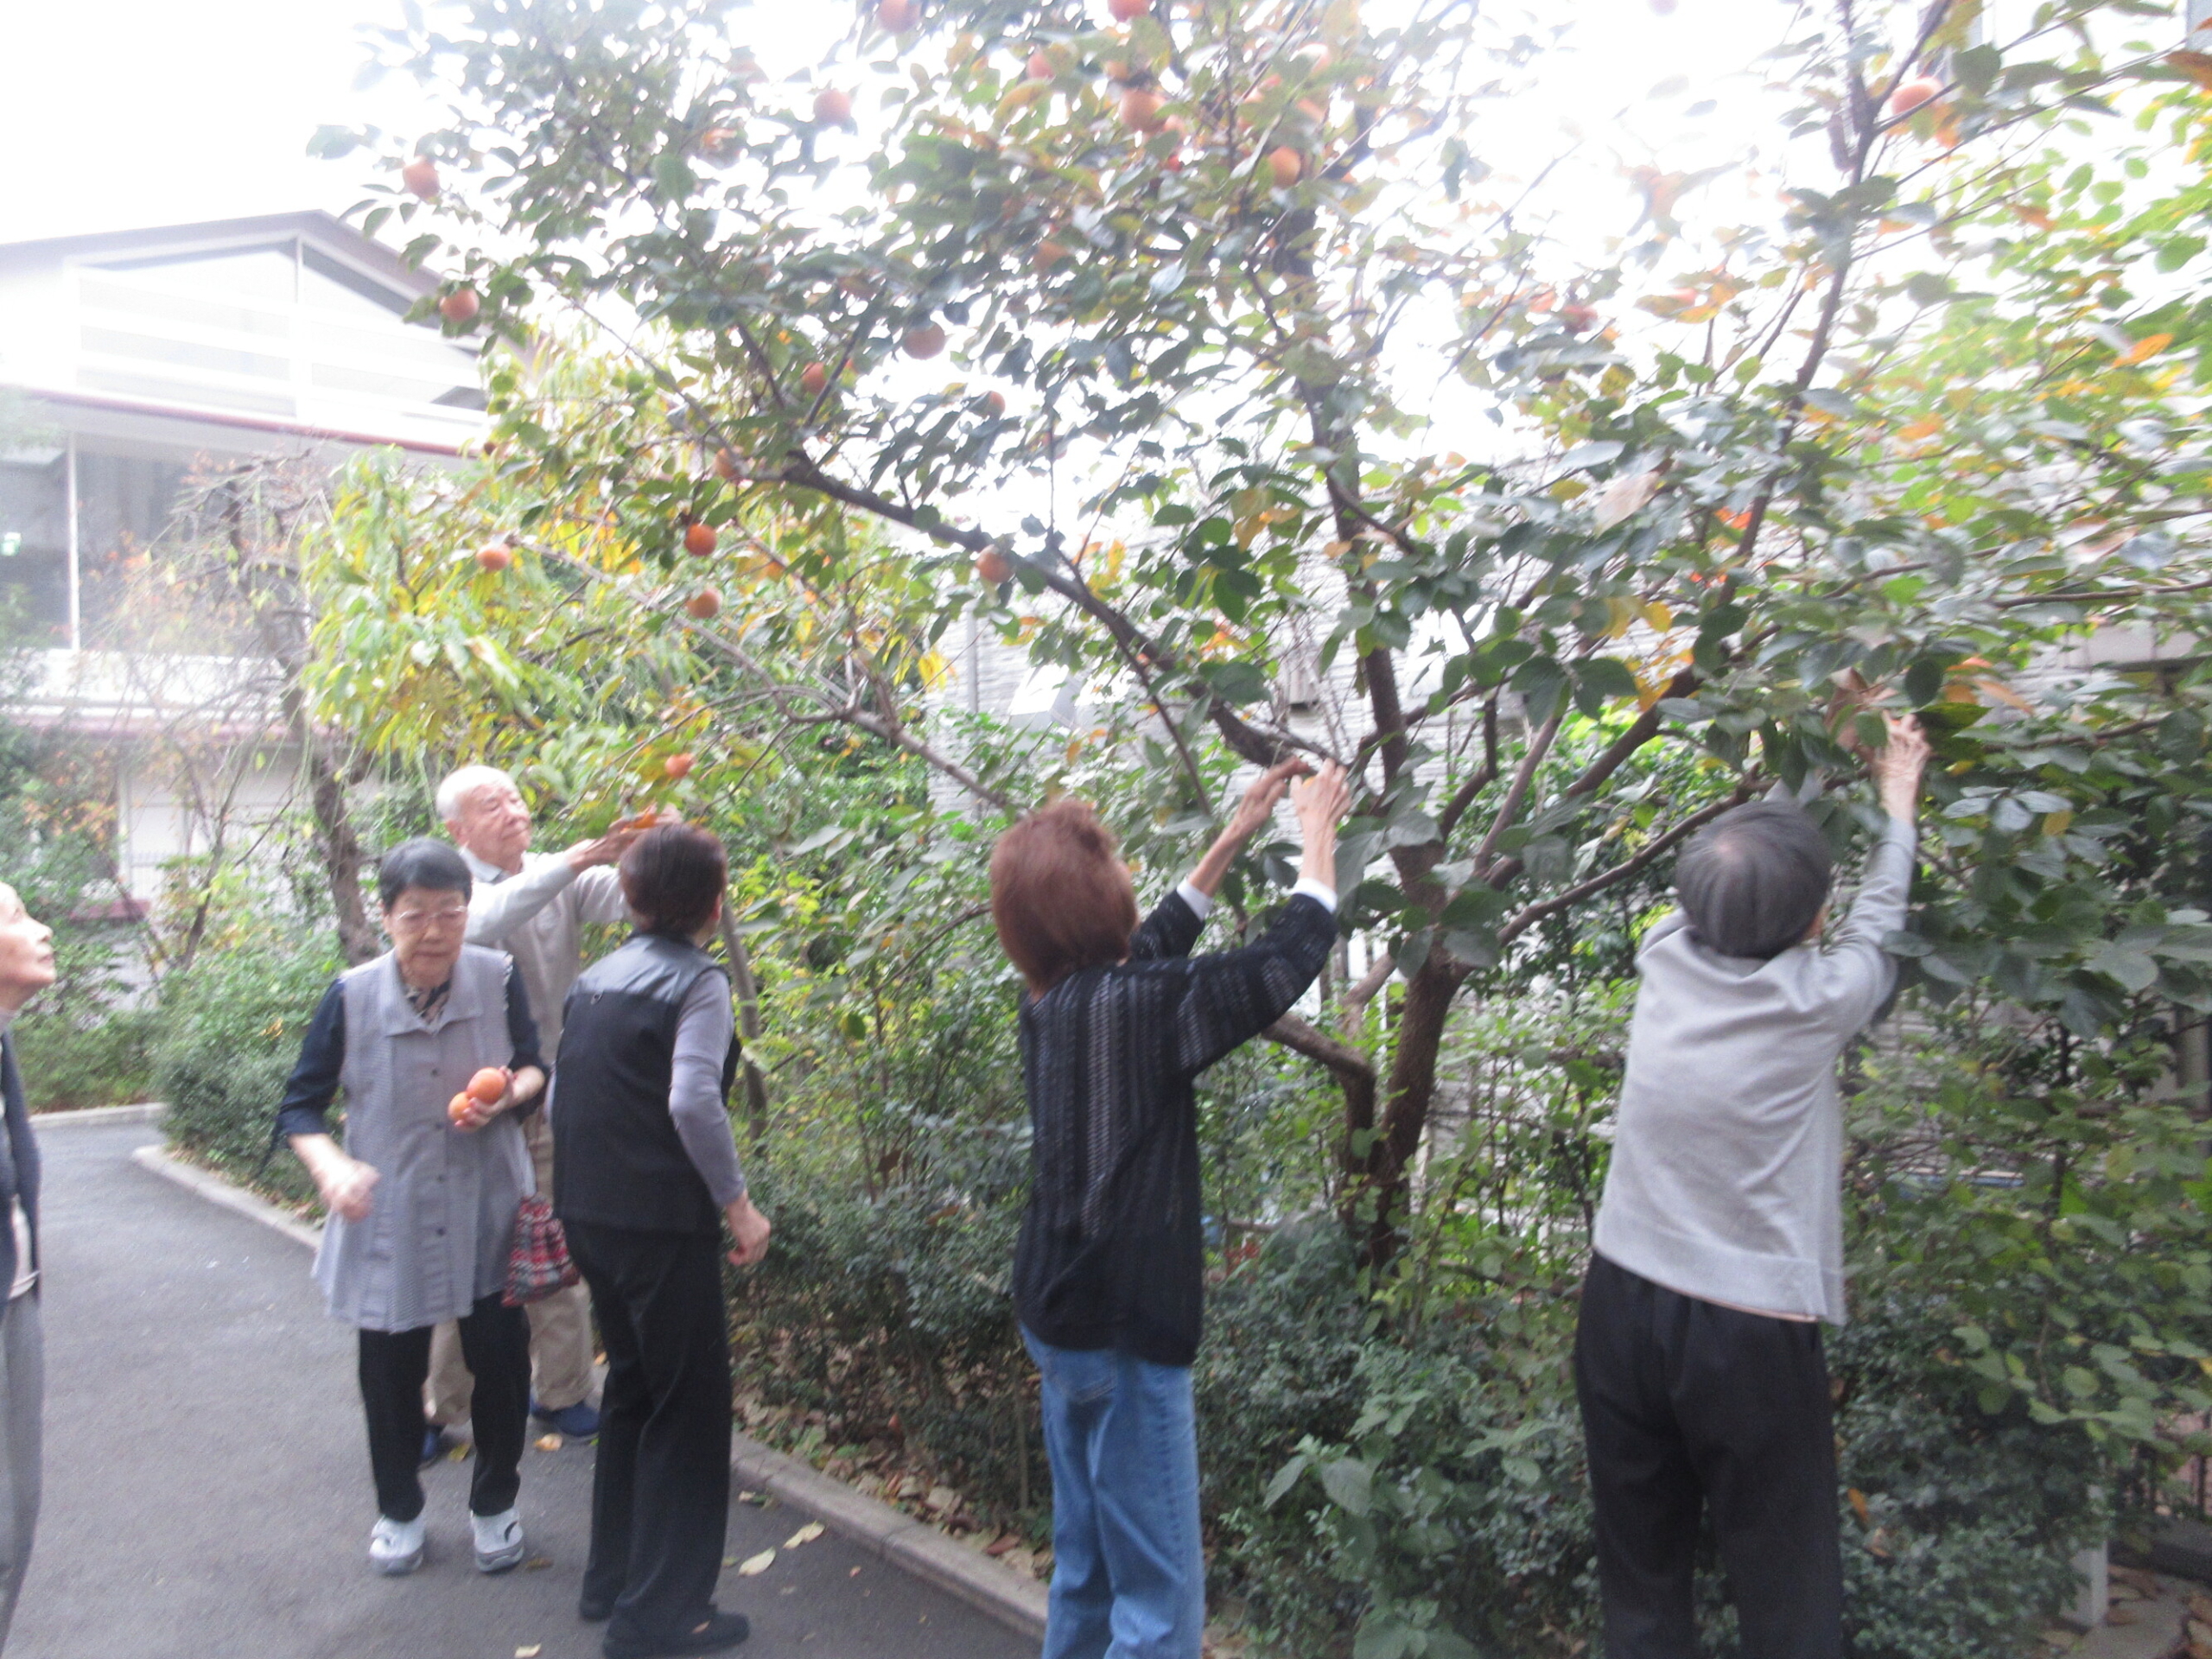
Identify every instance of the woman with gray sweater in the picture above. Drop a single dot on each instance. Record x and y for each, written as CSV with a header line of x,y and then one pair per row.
x,y
644,1178
1718,1241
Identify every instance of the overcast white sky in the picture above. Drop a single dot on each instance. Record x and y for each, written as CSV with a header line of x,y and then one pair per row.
x,y
116,113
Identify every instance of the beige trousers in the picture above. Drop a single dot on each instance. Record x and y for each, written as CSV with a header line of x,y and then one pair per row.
x,y
560,1328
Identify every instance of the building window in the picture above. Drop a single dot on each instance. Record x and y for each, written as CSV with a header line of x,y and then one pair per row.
x,y
34,545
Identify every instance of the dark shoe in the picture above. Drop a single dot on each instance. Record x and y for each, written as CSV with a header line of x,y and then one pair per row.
x,y
593,1611
435,1444
721,1631
579,1422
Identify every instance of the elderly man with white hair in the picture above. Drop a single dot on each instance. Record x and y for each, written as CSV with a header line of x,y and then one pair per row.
x,y
534,906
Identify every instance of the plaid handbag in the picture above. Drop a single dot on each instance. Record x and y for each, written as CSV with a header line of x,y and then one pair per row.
x,y
538,1264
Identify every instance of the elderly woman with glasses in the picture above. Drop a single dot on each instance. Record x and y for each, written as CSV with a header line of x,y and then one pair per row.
x,y
422,1194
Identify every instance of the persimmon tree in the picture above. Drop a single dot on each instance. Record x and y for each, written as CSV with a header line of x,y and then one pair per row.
x,y
1203,356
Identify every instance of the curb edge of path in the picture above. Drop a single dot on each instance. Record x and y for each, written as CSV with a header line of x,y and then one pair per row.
x,y
921,1550
144,1111
213,1188
963,1574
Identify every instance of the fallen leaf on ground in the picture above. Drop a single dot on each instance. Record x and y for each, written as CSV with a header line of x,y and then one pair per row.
x,y
754,1565
805,1535
999,1545
751,1497
530,1652
548,1442
537,1564
855,1573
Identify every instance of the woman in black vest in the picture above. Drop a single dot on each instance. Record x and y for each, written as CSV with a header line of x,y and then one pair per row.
x,y
644,1174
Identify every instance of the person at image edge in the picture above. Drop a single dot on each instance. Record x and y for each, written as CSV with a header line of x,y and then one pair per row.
x,y
26,969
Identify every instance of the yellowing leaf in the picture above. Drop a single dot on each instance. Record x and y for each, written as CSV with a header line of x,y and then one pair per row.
x,y
548,1442
2149,346
1858,1506
1622,497
1919,430
1658,616
2057,824
805,1535
754,1565
2034,216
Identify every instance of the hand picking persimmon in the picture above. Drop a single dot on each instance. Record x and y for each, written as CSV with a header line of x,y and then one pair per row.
x,y
488,1085
457,1108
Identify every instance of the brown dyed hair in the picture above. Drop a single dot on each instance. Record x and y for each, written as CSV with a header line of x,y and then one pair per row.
x,y
671,877
1060,895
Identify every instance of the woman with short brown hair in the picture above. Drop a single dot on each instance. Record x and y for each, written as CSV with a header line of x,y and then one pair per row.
x,y
1119,1021
646,1176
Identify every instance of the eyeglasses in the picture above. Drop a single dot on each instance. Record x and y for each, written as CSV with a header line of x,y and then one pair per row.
x,y
422,921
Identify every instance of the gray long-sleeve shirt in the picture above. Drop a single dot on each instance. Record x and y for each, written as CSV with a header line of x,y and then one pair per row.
x,y
704,1026
1727,1175
537,916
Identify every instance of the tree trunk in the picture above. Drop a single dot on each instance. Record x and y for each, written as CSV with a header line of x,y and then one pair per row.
x,y
748,1028
334,833
1381,1192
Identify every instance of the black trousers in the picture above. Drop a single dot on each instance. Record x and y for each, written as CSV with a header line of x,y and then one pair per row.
x,y
660,1490
1686,1404
495,1341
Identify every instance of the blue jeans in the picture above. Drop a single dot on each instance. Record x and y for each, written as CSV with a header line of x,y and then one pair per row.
x,y
1128,1575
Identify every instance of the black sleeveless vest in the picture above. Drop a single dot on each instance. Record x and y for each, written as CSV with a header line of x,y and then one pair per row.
x,y
617,1159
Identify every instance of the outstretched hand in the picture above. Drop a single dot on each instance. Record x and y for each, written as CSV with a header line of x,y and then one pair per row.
x,y
601,850
1322,800
1262,797
1897,765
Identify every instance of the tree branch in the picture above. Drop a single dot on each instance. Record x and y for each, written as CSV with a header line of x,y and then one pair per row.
x,y
1653,850
1517,794
1340,1057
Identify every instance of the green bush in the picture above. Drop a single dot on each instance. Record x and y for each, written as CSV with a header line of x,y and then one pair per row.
x,y
230,1030
69,1063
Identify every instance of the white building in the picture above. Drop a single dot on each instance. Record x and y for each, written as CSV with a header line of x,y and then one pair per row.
x,y
129,359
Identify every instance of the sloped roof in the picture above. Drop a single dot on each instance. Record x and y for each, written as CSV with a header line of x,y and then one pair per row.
x,y
326,231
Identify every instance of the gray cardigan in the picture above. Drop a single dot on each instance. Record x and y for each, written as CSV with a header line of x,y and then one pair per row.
x,y
1727,1175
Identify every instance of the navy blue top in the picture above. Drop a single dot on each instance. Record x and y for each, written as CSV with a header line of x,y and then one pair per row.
x,y
1110,1254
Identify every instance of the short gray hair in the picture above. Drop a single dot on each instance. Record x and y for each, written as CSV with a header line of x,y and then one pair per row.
x,y
1754,879
455,789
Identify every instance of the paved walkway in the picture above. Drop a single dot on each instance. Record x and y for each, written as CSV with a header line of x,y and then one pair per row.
x,y
208,1487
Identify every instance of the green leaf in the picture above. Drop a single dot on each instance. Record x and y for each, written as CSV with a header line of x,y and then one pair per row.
x,y
1349,1485
1284,1479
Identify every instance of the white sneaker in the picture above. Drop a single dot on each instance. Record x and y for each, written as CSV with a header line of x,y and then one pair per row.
x,y
395,1547
498,1541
